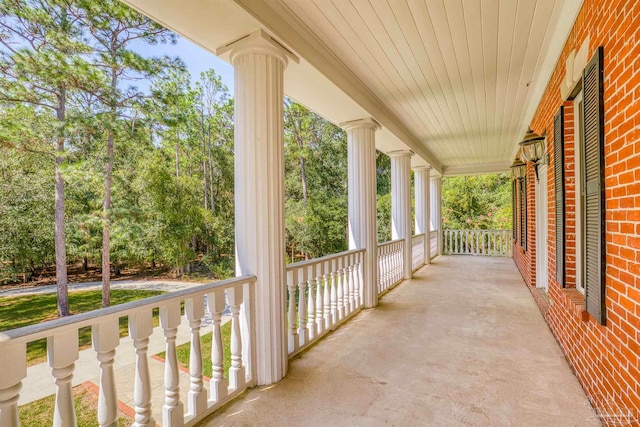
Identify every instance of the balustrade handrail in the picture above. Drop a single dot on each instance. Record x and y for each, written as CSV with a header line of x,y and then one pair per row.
x,y
389,243
418,235
81,320
309,262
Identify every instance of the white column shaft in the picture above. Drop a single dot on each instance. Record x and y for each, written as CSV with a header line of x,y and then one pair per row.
x,y
362,201
401,204
259,197
423,221
436,209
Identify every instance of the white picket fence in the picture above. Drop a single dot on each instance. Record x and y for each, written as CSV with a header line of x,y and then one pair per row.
x,y
477,242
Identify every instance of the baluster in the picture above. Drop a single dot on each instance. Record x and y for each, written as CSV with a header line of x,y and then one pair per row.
x,y
62,351
326,279
237,377
218,386
140,328
319,300
334,293
352,304
197,396
106,337
340,274
359,281
294,340
477,239
302,307
172,410
14,362
311,306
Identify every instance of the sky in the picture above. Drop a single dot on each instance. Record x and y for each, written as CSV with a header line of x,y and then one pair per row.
x,y
195,58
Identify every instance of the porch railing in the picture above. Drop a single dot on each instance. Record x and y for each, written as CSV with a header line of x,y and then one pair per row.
x,y
322,293
417,251
477,242
62,348
390,264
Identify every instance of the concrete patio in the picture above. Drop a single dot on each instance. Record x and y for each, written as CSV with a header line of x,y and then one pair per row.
x,y
463,343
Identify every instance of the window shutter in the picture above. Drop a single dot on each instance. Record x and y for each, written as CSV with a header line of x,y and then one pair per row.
x,y
593,182
525,213
558,168
513,209
521,219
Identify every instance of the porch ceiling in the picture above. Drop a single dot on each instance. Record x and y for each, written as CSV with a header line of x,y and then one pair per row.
x,y
457,81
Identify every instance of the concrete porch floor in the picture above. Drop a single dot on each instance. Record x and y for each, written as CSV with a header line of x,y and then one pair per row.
x,y
463,343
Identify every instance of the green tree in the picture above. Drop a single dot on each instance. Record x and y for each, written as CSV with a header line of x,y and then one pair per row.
x,y
42,62
113,28
472,202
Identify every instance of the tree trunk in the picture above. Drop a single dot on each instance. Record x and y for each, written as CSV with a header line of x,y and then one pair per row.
x,y
303,171
212,198
61,250
106,221
106,224
205,183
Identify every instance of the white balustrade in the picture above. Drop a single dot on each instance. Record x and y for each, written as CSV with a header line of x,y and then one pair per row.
x,y
63,350
478,242
322,293
390,264
417,251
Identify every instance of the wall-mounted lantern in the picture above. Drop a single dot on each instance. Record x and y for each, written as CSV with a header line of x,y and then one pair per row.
x,y
532,149
518,169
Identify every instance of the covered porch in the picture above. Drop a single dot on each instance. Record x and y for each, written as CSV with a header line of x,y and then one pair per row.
x,y
462,343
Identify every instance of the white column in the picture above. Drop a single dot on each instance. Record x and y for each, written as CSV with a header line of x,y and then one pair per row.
x,y
401,203
436,209
423,202
259,62
363,232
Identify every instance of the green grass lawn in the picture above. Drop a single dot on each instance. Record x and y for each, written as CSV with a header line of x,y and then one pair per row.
x,y
40,412
16,312
184,351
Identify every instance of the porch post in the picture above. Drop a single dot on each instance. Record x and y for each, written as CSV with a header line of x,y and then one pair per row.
x,y
259,64
363,233
401,203
423,202
436,210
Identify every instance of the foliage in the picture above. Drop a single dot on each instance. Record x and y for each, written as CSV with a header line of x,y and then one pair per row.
x,y
26,310
472,202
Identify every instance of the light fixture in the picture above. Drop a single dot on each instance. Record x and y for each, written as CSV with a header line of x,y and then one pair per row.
x,y
518,169
532,149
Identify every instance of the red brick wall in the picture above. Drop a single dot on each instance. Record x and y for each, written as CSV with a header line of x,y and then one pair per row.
x,y
526,259
606,359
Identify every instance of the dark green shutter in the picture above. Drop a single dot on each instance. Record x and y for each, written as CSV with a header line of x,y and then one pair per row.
x,y
526,214
593,183
513,209
521,218
558,182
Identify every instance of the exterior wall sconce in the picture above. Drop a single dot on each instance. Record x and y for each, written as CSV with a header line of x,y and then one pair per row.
x,y
518,169
532,149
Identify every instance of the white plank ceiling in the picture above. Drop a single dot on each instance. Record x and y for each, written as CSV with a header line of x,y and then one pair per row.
x,y
457,73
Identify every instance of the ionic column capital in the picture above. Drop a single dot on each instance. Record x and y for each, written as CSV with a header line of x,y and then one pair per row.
x,y
257,42
366,123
